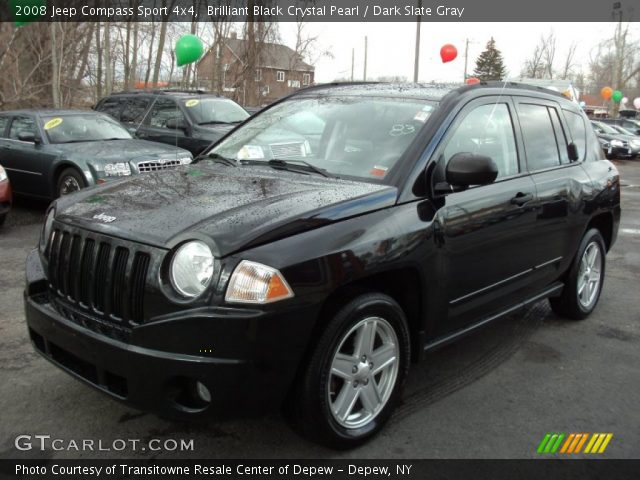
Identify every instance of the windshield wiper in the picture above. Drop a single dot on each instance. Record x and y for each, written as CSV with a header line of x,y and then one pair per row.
x,y
217,122
295,165
217,158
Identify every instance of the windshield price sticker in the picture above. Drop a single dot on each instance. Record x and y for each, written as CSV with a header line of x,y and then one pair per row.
x,y
192,103
53,123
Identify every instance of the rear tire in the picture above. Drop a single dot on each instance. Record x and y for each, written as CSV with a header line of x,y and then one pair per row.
x,y
350,385
70,181
585,279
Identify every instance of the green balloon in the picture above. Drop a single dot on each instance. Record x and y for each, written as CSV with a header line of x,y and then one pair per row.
x,y
617,96
189,49
27,11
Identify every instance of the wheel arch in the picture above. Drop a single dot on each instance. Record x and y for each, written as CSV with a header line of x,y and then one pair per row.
x,y
59,168
603,222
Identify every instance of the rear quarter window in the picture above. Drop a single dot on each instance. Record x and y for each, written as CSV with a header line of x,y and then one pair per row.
x,y
578,131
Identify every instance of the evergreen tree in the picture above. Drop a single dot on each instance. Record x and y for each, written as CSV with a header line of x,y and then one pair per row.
x,y
489,65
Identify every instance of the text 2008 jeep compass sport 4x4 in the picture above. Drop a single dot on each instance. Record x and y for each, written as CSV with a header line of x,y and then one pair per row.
x,y
323,246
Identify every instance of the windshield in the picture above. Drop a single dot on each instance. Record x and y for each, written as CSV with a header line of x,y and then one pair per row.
x,y
214,110
351,136
604,128
83,128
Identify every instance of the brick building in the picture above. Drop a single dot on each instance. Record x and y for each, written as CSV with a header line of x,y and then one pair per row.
x,y
279,71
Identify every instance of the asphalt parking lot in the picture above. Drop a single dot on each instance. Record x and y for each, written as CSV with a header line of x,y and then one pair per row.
x,y
493,395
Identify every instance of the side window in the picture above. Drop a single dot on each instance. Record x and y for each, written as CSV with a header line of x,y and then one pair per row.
x,y
561,138
487,130
3,125
134,110
163,110
112,106
21,125
538,136
578,131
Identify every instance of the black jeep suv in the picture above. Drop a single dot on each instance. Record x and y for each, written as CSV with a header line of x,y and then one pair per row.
x,y
321,248
190,119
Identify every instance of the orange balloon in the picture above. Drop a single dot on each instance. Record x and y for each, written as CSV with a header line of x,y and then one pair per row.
x,y
472,81
606,92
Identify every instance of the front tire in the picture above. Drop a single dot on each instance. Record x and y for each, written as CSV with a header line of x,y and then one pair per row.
x,y
354,377
584,282
70,181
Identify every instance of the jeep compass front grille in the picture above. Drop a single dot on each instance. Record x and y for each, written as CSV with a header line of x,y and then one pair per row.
x,y
97,282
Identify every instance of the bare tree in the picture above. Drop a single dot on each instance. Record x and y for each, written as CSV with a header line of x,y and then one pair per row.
x,y
567,65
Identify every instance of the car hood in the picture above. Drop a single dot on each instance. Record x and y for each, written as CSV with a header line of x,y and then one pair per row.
x,y
235,207
107,151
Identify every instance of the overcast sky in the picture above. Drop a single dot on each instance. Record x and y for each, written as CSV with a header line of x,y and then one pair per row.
x,y
392,46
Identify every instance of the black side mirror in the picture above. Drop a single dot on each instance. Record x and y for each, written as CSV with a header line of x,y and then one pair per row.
x,y
466,169
28,137
572,151
176,124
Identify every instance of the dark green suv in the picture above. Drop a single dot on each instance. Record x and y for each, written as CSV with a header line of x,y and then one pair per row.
x,y
190,119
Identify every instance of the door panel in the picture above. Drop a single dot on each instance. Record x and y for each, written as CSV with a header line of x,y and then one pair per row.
x,y
559,185
485,234
26,163
484,230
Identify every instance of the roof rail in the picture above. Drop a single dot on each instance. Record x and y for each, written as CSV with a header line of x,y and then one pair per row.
x,y
160,91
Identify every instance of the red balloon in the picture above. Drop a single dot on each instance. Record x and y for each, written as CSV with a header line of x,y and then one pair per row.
x,y
448,52
472,81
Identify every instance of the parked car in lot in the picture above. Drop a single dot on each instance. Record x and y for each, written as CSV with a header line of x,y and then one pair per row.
x,y
622,130
615,144
6,196
249,282
49,153
631,124
190,119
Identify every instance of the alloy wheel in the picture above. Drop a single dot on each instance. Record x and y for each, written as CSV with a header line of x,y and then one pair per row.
x,y
589,275
69,185
363,372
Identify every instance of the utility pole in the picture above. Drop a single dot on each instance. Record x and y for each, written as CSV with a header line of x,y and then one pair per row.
x,y
619,46
365,59
416,62
353,53
466,56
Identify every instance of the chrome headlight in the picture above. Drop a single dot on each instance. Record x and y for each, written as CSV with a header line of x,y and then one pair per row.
x,y
117,169
192,269
253,282
185,160
3,174
48,226
617,143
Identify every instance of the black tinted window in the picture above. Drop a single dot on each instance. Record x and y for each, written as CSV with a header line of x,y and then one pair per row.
x,y
112,106
487,130
539,138
164,109
578,131
134,110
3,125
21,125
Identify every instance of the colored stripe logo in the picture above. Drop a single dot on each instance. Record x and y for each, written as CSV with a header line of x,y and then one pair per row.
x,y
556,442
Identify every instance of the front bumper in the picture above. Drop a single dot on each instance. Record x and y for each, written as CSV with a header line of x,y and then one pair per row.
x,y
153,372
